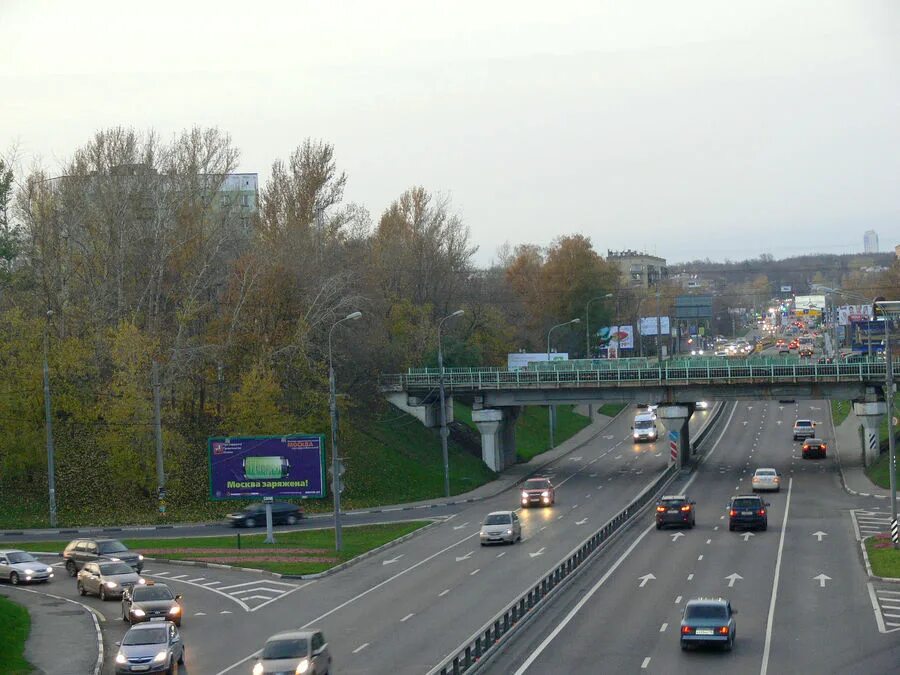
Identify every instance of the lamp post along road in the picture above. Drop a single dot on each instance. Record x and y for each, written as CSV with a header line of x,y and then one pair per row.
x,y
444,431
336,485
550,407
890,309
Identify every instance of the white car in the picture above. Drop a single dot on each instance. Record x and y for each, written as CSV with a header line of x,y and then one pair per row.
x,y
21,567
766,479
501,527
701,405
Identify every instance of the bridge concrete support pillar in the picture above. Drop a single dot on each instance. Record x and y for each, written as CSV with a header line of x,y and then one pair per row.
x,y
427,412
870,414
498,436
677,440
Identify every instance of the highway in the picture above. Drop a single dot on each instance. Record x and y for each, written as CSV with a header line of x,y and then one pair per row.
x,y
800,588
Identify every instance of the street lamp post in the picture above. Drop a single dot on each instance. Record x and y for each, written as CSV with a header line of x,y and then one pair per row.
x,y
550,407
890,308
444,432
336,486
587,323
51,462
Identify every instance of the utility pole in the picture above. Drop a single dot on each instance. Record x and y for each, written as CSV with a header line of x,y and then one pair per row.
x,y
48,416
157,425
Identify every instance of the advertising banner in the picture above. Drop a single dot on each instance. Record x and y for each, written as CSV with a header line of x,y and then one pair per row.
x,y
809,302
266,466
848,314
520,360
621,337
648,325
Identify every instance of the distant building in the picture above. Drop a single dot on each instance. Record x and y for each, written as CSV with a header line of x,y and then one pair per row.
x,y
897,251
639,270
870,242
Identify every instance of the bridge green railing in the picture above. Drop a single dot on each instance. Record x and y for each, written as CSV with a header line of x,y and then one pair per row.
x,y
638,372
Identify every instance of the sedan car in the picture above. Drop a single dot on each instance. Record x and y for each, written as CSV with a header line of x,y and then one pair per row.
x,y
675,510
747,511
283,513
22,567
805,353
150,648
81,551
501,527
766,479
538,492
151,602
814,447
304,652
708,621
107,579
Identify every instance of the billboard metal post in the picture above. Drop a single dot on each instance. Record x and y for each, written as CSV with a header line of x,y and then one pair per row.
x,y
270,535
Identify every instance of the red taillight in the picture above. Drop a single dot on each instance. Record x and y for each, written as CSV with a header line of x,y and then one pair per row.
x,y
661,509
686,507
762,512
686,630
722,630
732,513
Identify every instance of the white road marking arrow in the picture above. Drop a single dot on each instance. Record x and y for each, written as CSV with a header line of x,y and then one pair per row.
x,y
747,536
820,534
200,614
459,527
676,535
576,459
822,578
777,421
644,579
812,407
609,437
749,407
392,560
746,423
465,557
734,576
540,551
581,522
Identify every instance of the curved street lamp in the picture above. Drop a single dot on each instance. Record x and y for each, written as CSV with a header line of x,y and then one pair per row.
x,y
335,461
550,408
444,432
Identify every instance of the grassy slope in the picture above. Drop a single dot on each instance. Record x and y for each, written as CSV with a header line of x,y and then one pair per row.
x,y
839,411
879,472
885,560
14,627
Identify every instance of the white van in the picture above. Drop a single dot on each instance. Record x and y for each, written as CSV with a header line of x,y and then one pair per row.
x,y
644,427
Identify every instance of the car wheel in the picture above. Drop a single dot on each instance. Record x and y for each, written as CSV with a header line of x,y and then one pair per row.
x,y
730,644
181,658
250,522
659,526
292,519
765,526
70,568
103,593
14,579
81,589
482,543
731,527
684,646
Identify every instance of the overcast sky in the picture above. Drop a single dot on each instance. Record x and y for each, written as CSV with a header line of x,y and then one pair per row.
x,y
689,128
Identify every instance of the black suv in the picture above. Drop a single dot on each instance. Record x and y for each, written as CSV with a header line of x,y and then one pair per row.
x,y
748,511
283,513
674,510
81,551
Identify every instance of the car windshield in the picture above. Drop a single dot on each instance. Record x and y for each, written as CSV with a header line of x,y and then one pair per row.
x,y
536,484
643,424
115,568
112,547
498,519
804,423
745,503
151,593
705,612
20,557
145,636
765,472
293,648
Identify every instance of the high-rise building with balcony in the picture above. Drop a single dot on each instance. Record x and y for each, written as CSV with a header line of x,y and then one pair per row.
x,y
870,242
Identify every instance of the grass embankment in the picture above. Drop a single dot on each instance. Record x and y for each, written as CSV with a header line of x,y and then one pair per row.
x,y
879,473
306,552
14,627
533,426
840,410
885,560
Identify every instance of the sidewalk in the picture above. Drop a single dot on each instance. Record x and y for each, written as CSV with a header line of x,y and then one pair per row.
x,y
850,460
65,637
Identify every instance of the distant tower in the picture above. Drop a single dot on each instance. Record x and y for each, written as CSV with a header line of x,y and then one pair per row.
x,y
870,242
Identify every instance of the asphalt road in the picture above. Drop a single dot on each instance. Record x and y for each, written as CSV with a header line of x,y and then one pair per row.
x,y
791,619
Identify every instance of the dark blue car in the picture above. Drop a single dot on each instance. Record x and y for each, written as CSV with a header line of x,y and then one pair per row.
x,y
708,621
748,512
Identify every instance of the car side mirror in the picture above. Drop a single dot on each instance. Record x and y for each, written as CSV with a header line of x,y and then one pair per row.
x,y
768,504
178,596
118,644
734,611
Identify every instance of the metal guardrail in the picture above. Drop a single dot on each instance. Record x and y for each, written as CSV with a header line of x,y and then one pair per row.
x,y
474,650
669,372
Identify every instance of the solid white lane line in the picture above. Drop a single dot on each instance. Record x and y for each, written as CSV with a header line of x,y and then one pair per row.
x,y
662,629
407,618
878,618
361,647
443,593
645,663
765,662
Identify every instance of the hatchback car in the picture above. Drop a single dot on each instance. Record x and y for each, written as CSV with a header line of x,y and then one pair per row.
x,y
708,621
675,510
538,492
766,479
20,567
748,511
283,513
501,527
107,579
81,551
304,652
804,429
814,447
151,602
150,648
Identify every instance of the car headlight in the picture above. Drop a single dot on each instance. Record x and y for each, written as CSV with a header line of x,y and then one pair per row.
x,y
120,658
138,612
302,667
175,610
524,495
29,572
140,557
509,531
110,584
545,494
141,581
258,669
160,656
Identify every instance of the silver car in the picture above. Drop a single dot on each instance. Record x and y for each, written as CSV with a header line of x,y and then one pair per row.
x,y
150,648
501,527
304,652
22,567
107,579
766,479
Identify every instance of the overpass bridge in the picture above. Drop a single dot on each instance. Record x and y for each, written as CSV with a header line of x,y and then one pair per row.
x,y
498,394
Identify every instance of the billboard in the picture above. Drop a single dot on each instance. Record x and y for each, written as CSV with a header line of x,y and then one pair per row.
x,y
848,314
621,337
520,360
242,467
648,325
809,302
